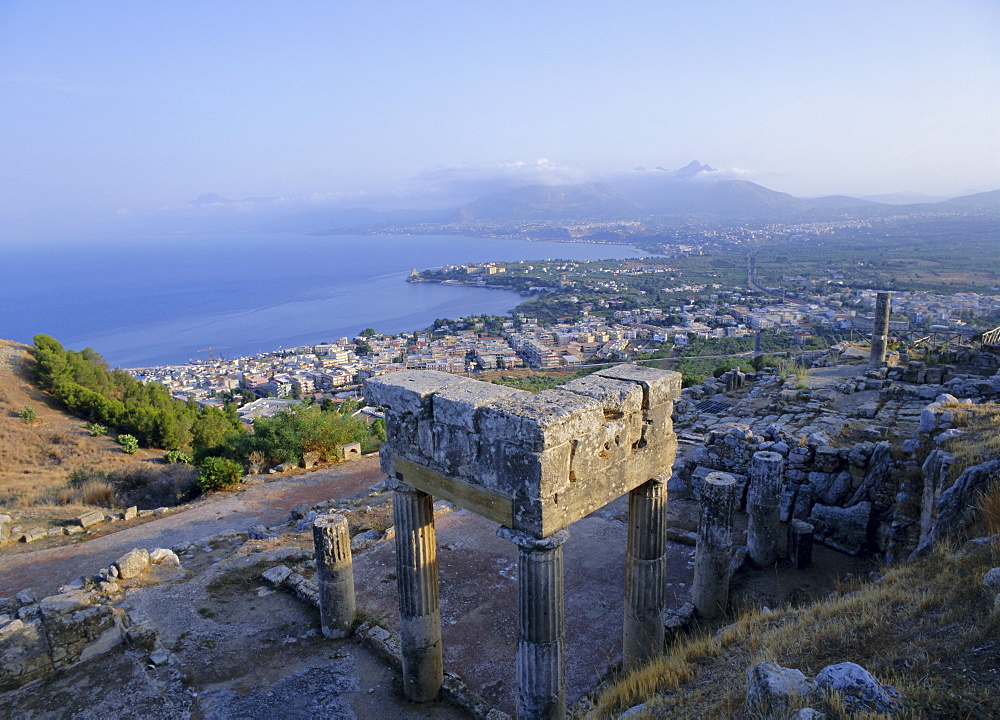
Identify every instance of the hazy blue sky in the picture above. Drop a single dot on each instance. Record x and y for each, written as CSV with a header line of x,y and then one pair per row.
x,y
112,107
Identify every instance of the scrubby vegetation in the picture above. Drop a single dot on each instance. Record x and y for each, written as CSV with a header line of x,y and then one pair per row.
x,y
146,415
929,628
287,436
216,473
83,382
146,486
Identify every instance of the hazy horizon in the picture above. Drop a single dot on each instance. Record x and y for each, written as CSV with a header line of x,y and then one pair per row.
x,y
119,111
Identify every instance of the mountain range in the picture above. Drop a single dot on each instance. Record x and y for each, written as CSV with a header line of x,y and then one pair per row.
x,y
695,190
693,193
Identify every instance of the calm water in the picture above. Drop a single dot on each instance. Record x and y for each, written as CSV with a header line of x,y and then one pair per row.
x,y
160,301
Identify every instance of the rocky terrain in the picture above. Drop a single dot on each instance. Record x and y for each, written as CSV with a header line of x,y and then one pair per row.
x,y
213,613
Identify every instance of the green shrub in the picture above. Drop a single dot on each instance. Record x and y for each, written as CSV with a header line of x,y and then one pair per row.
x,y
129,443
217,473
760,362
176,457
96,429
28,414
81,476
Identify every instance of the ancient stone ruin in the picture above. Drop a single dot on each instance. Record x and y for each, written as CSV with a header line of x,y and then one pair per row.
x,y
534,463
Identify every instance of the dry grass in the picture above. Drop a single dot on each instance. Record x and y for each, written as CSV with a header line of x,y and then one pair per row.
x,y
37,458
989,511
928,628
92,492
980,440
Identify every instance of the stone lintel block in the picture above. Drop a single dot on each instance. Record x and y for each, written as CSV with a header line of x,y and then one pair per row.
x,y
538,422
408,391
90,518
658,420
457,404
455,450
618,397
658,386
132,563
610,444
542,516
65,603
514,471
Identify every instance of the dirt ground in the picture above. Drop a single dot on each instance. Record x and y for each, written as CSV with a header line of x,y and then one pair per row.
x,y
49,563
234,649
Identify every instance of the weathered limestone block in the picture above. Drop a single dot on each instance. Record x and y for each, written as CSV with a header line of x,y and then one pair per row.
x,y
132,563
827,459
543,420
74,621
91,518
163,556
935,468
24,651
131,513
309,460
859,690
843,529
33,534
957,506
658,386
535,462
830,488
772,689
877,487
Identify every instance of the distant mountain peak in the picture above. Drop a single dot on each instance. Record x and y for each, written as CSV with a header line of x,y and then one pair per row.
x,y
691,169
210,199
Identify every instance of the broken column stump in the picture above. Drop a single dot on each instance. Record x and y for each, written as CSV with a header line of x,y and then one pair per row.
x,y
334,574
800,544
710,588
880,330
763,504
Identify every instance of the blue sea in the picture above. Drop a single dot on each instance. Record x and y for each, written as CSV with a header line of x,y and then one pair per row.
x,y
159,301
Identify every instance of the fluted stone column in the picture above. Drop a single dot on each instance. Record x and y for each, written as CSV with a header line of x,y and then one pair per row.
x,y
880,332
334,574
710,589
767,476
645,572
417,586
541,651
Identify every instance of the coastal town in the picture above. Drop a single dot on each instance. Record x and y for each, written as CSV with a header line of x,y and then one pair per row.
x,y
593,312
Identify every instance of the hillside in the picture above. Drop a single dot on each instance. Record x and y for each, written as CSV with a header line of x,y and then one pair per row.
x,y
37,458
545,202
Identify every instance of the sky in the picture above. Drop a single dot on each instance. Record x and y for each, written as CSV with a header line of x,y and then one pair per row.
x,y
111,109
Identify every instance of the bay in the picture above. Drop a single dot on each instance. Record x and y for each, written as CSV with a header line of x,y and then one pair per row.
x,y
165,300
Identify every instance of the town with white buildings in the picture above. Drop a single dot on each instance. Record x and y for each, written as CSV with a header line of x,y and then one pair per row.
x,y
596,331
